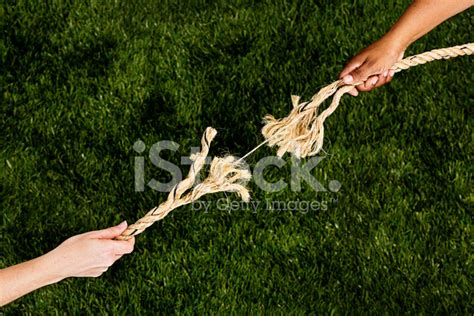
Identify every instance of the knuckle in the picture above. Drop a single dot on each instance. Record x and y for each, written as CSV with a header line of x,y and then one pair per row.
x,y
370,62
110,261
356,72
361,74
95,273
354,61
380,83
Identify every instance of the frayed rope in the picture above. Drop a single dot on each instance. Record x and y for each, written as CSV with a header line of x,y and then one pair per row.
x,y
226,174
300,133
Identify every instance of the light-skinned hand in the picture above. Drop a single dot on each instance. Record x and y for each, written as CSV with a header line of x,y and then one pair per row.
x,y
90,254
372,65
86,255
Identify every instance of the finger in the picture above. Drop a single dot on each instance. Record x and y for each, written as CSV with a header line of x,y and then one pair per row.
x,y
353,92
389,78
382,80
102,269
369,84
353,64
94,272
391,73
362,73
121,247
110,232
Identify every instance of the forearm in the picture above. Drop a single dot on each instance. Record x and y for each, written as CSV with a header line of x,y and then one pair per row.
x,y
23,278
422,16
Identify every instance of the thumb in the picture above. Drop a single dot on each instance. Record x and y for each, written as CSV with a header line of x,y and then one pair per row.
x,y
110,232
352,65
360,74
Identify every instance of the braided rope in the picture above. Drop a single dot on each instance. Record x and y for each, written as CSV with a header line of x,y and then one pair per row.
x,y
302,131
225,174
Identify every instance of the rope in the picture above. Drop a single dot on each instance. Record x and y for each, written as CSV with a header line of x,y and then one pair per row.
x,y
225,175
300,133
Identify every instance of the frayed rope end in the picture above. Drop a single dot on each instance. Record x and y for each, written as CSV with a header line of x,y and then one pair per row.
x,y
301,133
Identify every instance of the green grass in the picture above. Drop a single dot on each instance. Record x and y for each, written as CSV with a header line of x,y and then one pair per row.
x,y
82,81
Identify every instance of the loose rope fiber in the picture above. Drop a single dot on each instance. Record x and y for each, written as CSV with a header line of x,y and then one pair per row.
x,y
300,133
225,175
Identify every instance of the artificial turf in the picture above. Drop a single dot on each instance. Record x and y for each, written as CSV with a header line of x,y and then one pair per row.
x,y
82,81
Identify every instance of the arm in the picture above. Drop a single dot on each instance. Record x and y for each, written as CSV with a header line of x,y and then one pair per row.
x,y
85,255
372,64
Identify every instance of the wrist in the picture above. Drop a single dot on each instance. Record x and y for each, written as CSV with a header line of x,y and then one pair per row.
x,y
48,265
396,42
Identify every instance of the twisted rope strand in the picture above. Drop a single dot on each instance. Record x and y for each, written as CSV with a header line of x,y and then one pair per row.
x,y
435,54
225,174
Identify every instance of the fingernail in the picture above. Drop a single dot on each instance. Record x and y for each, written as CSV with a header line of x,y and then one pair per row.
x,y
373,81
348,79
391,73
353,92
385,73
122,224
